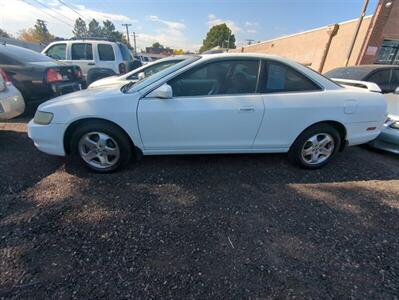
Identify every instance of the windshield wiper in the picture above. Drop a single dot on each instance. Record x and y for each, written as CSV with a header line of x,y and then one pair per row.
x,y
127,87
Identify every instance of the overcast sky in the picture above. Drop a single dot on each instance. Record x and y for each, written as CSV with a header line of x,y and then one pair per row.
x,y
182,24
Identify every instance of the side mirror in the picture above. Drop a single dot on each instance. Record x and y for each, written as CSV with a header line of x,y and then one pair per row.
x,y
163,92
141,75
396,91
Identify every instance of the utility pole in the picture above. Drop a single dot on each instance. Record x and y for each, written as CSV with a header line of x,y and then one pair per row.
x,y
127,32
134,41
359,23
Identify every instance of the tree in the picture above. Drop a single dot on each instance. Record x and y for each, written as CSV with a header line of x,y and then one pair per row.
x,y
94,29
38,34
108,29
219,35
157,45
4,34
80,29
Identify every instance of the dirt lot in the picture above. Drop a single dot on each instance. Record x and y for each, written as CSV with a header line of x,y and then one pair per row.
x,y
236,226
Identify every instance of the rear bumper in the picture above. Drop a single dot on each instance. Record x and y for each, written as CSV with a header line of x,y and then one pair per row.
x,y
48,138
358,134
12,103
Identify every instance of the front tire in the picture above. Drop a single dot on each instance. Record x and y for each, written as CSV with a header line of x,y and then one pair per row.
x,y
101,147
315,147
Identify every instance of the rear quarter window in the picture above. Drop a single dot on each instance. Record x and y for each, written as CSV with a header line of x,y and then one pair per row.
x,y
106,52
279,78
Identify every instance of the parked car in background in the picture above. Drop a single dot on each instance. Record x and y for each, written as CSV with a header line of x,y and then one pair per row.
x,y
12,103
97,58
144,58
140,73
37,76
387,78
222,103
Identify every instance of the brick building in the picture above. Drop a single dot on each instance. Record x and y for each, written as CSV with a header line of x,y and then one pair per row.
x,y
326,47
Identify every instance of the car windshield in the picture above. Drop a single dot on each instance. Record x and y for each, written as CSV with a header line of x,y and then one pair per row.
x,y
156,76
347,73
24,55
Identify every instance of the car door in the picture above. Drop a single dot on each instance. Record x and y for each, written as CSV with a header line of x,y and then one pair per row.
x,y
292,102
214,108
57,51
82,55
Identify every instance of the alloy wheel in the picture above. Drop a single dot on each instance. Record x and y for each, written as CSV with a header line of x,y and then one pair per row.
x,y
99,150
318,148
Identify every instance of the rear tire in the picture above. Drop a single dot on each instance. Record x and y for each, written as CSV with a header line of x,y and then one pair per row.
x,y
101,146
315,147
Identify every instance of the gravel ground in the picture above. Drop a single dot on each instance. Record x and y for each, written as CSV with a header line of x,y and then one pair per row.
x,y
220,226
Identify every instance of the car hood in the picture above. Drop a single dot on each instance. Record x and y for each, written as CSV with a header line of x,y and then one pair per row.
x,y
109,81
88,96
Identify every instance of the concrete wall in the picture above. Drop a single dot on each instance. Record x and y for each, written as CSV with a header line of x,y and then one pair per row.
x,y
309,47
341,42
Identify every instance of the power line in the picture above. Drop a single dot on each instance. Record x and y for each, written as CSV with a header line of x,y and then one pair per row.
x,y
52,9
43,11
71,8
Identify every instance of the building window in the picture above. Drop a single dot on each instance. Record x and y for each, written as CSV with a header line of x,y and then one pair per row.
x,y
389,53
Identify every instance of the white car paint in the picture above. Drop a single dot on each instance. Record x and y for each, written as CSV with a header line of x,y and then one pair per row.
x,y
239,123
134,75
12,103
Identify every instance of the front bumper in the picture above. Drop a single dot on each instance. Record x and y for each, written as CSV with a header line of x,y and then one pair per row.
x,y
12,103
48,138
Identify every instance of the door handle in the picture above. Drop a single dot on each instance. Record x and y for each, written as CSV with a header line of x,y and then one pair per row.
x,y
247,108
91,64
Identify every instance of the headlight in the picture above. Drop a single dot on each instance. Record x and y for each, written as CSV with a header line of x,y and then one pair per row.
x,y
43,118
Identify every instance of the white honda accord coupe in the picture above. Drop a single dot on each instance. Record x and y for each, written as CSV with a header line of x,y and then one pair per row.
x,y
221,103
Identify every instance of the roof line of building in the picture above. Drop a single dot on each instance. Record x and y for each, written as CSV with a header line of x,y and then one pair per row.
x,y
306,31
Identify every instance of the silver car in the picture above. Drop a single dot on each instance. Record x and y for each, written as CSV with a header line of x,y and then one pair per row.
x,y
12,103
388,140
387,79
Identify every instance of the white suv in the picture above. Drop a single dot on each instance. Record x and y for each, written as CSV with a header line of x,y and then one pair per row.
x,y
97,58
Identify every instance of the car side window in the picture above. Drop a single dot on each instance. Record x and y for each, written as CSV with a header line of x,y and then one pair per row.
x,y
106,52
395,77
58,52
217,78
381,77
278,78
82,51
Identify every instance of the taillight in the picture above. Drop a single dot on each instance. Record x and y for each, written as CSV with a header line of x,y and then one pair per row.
x,y
79,73
5,76
53,75
122,68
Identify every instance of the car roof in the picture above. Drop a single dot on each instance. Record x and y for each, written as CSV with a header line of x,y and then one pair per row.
x,y
240,55
357,72
83,41
22,54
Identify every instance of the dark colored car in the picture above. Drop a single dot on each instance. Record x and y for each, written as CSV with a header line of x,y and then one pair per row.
x,y
37,76
386,76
